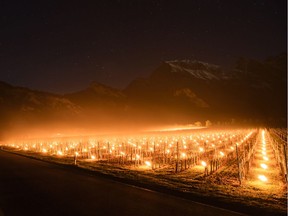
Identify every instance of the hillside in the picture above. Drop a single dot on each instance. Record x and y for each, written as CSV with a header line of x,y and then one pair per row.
x,y
178,91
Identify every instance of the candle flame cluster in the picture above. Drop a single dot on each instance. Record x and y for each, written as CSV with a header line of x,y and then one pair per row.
x,y
264,166
139,148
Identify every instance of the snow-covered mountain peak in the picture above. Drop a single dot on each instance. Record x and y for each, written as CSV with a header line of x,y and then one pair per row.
x,y
198,69
192,63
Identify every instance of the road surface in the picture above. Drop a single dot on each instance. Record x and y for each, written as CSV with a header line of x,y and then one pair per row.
x,y
33,187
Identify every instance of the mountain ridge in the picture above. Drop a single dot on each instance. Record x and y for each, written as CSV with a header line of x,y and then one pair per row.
x,y
176,91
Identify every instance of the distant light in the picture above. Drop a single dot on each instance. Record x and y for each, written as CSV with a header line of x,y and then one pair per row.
x,y
148,163
44,150
203,163
221,153
264,166
201,149
59,153
262,178
265,158
93,157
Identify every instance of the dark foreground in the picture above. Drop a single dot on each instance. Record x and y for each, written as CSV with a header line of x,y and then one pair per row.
x,y
32,187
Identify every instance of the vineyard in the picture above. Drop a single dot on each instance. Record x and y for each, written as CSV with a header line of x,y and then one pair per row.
x,y
247,166
228,154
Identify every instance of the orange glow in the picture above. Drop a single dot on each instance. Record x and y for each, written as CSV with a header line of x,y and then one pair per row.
x,y
124,148
44,150
264,166
203,163
262,178
148,163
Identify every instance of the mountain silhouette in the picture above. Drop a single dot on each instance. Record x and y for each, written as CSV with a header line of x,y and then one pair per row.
x,y
178,91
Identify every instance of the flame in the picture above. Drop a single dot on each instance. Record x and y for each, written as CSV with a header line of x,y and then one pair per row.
x,y
148,163
203,163
264,166
262,178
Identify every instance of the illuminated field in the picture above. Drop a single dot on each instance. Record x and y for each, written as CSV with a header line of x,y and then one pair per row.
x,y
158,149
266,166
241,163
224,152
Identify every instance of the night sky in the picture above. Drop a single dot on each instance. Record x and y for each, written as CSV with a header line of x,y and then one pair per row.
x,y
61,46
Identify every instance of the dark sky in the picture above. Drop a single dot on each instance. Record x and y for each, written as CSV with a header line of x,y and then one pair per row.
x,y
61,46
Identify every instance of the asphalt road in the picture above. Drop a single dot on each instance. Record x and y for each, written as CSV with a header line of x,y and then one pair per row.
x,y
33,187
